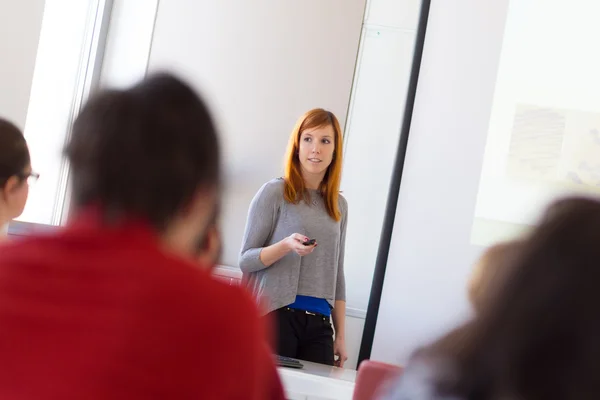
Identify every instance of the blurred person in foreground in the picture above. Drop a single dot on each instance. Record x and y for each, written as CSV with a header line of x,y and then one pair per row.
x,y
490,273
114,306
538,335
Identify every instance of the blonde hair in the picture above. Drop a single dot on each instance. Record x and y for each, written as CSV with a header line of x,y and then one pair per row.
x,y
294,188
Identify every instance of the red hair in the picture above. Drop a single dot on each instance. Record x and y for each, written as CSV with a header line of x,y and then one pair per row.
x,y
294,188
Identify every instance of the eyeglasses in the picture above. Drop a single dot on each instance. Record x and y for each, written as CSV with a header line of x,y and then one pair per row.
x,y
30,177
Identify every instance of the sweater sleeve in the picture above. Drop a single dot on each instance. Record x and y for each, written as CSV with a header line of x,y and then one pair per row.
x,y
340,287
262,217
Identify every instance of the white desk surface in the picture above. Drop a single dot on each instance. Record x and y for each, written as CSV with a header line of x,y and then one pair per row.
x,y
317,382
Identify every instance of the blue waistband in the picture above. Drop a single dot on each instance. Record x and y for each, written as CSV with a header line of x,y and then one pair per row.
x,y
311,304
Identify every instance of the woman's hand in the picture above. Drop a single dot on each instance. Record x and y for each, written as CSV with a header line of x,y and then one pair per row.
x,y
275,252
294,243
339,350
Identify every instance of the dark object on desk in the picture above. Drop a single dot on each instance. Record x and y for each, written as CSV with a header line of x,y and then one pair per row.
x,y
288,362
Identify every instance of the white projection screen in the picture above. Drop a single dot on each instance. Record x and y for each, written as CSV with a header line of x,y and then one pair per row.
x,y
544,133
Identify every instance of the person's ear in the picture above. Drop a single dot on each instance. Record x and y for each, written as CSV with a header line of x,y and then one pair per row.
x,y
11,185
210,253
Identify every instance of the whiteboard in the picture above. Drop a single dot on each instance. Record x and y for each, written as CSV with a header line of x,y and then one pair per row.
x,y
372,135
393,13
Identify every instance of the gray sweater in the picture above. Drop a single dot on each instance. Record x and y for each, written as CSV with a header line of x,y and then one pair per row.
x,y
272,219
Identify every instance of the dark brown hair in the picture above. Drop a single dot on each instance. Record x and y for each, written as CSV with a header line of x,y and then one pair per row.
x,y
490,272
14,154
145,151
540,339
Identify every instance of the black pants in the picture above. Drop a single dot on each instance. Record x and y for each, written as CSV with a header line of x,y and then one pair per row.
x,y
304,336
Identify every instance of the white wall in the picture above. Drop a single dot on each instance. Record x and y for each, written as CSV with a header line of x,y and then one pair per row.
x,y
261,65
20,25
430,256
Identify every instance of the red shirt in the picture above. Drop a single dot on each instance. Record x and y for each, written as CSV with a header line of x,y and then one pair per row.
x,y
102,313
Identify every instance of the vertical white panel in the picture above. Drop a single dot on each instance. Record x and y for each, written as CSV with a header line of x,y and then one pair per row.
x,y
393,13
430,255
373,131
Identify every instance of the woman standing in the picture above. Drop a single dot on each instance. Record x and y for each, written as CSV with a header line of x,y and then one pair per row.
x,y
15,173
293,249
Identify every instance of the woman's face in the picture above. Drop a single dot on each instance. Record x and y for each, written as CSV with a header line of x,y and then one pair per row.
x,y
14,194
316,150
